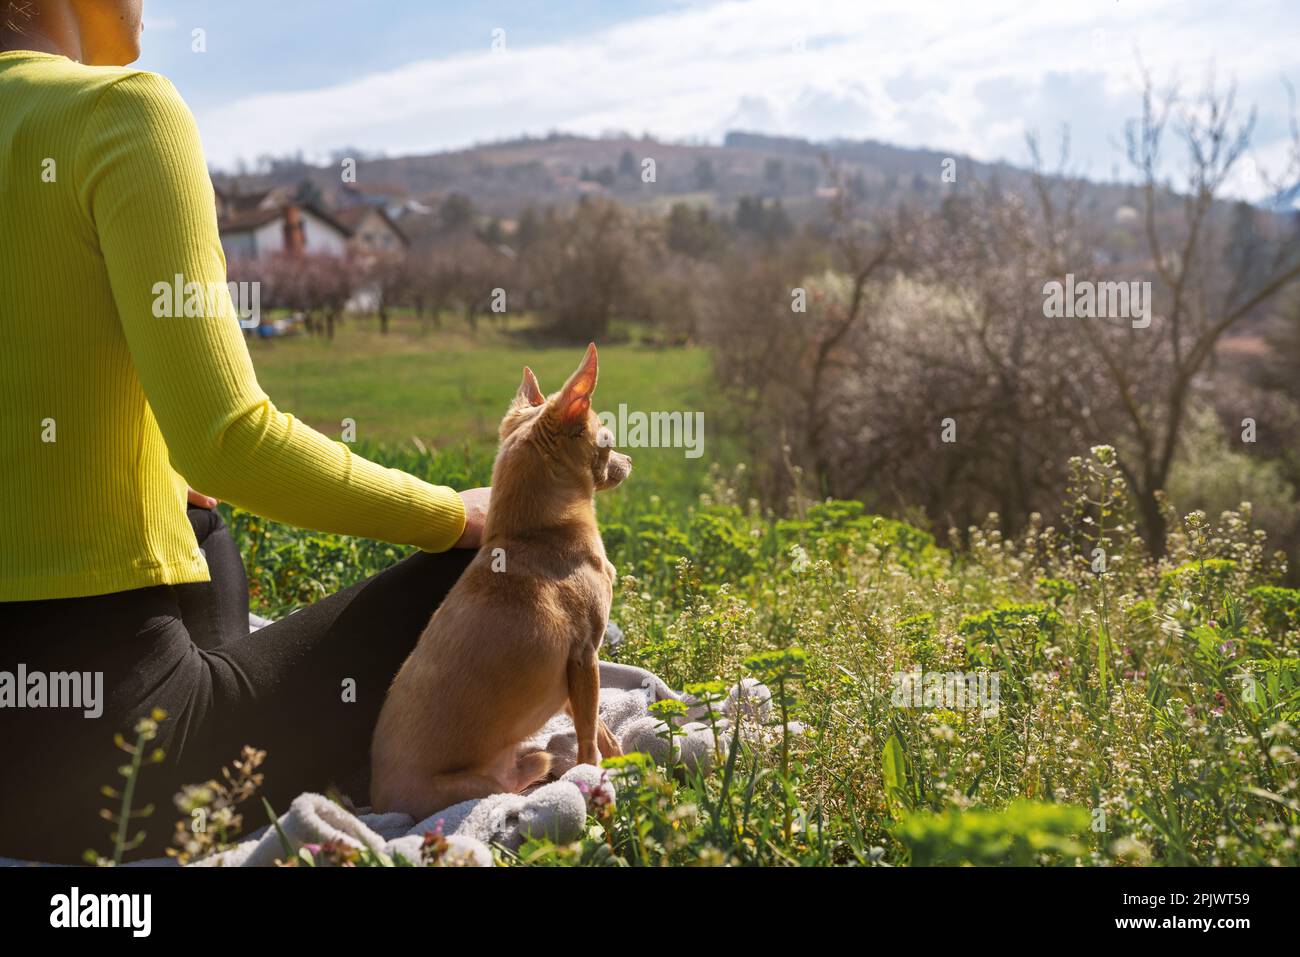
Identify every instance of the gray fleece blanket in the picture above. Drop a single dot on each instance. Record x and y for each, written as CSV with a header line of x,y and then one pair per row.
x,y
557,810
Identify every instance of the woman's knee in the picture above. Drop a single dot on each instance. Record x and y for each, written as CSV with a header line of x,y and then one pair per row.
x,y
206,522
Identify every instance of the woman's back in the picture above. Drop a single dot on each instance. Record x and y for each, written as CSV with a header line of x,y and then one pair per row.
x,y
87,484
125,363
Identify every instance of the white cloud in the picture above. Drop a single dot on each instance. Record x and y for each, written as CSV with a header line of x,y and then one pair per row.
x,y
962,77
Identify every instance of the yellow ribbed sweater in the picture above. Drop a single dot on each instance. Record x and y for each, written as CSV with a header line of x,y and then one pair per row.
x,y
107,410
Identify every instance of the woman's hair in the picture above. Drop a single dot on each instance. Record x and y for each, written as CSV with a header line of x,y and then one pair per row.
x,y
18,12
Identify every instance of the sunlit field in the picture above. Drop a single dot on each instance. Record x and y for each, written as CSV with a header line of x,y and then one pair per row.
x,y
450,389
1065,710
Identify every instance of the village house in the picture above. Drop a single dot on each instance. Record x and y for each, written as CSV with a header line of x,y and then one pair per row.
x,y
267,222
372,232
394,200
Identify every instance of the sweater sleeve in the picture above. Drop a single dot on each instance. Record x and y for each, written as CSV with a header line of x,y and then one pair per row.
x,y
143,182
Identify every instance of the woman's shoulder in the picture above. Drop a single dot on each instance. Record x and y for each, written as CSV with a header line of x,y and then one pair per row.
x,y
104,115
95,107
127,84
53,71
87,87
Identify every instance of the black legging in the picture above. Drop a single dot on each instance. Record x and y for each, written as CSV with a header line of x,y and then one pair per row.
x,y
306,689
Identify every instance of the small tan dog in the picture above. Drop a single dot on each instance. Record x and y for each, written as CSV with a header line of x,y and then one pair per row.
x,y
515,640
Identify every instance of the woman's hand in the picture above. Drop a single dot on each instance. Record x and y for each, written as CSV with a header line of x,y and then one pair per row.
x,y
201,500
476,508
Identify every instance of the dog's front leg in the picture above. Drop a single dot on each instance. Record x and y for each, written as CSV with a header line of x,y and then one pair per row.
x,y
584,700
605,740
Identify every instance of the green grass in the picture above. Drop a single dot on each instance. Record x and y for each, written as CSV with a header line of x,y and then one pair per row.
x,y
447,388
1146,715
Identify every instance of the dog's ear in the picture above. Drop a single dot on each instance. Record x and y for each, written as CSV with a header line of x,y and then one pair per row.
x,y
529,392
574,400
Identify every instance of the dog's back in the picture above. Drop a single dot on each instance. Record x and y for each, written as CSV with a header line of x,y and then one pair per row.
x,y
488,672
516,638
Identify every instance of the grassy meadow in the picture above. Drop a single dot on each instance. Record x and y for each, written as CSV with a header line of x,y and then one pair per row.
x,y
448,388
1145,712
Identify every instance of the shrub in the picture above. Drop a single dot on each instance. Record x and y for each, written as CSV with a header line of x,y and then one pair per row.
x,y
1025,833
1010,629
1207,579
1278,607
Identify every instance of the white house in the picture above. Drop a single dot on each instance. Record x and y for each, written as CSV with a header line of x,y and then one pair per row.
x,y
264,224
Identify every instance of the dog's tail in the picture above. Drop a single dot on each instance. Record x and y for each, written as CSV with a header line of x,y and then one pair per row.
x,y
531,767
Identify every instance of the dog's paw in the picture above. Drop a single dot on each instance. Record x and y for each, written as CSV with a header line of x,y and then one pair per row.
x,y
609,746
613,750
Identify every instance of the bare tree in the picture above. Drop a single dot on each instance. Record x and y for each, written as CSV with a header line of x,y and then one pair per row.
x,y
1203,291
862,253
387,278
581,269
464,272
792,329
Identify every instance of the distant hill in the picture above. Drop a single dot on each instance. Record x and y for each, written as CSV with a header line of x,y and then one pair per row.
x,y
503,178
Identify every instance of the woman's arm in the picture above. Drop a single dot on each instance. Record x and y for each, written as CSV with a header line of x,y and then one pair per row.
x,y
143,183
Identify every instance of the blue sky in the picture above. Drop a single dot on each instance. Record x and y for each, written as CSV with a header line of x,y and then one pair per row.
x,y
403,76
256,46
